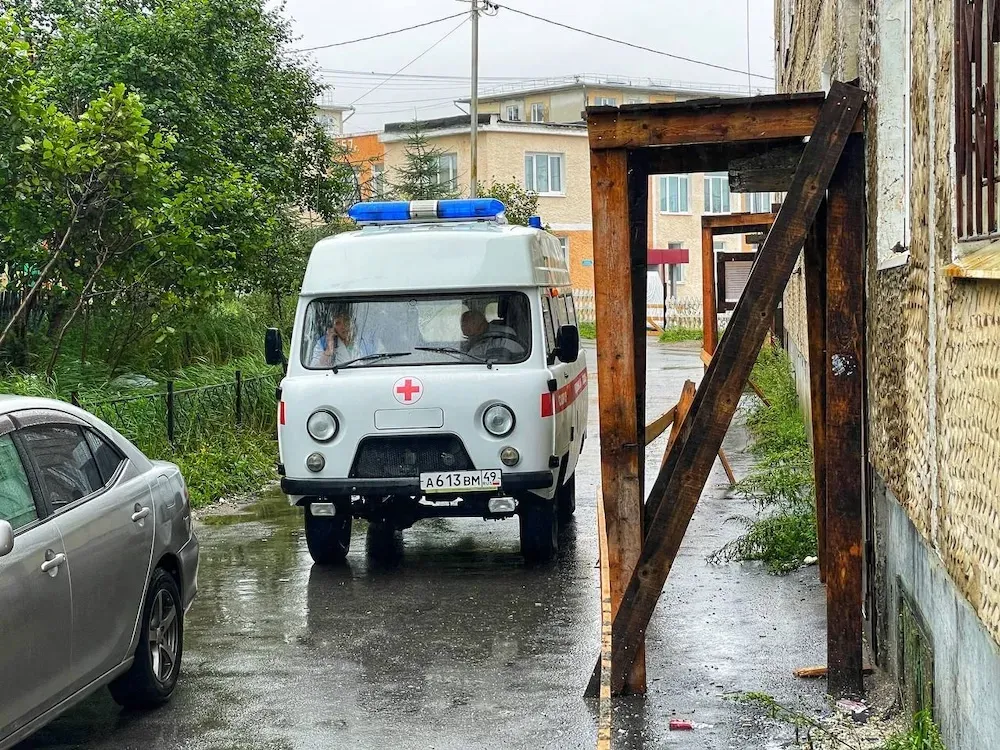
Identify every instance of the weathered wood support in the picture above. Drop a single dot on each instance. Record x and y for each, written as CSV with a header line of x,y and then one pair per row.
x,y
690,459
814,266
709,315
769,171
616,361
845,419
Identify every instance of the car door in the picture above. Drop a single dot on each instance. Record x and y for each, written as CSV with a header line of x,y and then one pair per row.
x,y
104,511
35,600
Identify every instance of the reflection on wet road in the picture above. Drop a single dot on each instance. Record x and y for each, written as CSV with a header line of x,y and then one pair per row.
x,y
457,643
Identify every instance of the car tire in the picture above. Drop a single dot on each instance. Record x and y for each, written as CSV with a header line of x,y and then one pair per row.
x,y
328,538
566,499
384,540
539,529
153,675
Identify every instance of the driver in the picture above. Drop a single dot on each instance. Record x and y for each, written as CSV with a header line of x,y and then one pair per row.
x,y
339,343
489,341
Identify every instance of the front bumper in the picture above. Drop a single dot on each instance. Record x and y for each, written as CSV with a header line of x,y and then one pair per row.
x,y
513,484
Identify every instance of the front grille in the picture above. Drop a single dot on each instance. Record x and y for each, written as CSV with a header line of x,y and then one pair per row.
x,y
408,456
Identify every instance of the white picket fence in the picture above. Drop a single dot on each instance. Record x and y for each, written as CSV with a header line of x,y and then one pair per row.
x,y
680,313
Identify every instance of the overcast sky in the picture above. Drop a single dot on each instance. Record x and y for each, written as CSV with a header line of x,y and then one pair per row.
x,y
514,46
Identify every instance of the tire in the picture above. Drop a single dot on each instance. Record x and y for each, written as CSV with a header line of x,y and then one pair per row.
x,y
384,541
153,676
539,530
566,498
328,538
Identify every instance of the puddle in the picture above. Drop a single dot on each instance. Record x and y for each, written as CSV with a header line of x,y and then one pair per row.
x,y
272,506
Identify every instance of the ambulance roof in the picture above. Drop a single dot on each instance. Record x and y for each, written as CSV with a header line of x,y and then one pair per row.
x,y
434,256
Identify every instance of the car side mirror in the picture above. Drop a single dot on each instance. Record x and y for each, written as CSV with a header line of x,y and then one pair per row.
x,y
6,538
568,344
274,352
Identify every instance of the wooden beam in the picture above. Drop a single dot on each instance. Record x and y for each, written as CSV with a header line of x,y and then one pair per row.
x,y
706,359
659,425
709,319
715,157
814,266
844,365
770,171
616,361
727,467
760,118
689,461
604,705
638,214
683,407
738,223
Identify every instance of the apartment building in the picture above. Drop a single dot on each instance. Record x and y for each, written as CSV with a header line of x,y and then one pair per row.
x,y
536,136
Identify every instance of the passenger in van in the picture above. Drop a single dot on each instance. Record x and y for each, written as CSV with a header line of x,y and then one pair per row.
x,y
494,340
338,344
474,327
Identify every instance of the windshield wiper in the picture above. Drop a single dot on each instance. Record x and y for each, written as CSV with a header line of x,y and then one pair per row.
x,y
453,350
370,358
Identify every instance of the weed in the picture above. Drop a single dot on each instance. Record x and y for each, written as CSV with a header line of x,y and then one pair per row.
x,y
671,335
588,330
782,532
923,735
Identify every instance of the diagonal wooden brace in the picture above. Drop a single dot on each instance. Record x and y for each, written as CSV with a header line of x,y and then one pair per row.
x,y
682,478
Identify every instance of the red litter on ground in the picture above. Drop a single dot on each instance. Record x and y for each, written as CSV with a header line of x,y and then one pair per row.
x,y
678,724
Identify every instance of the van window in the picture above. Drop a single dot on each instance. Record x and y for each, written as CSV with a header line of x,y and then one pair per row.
x,y
549,324
460,328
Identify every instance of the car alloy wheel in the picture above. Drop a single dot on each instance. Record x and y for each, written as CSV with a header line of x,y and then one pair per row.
x,y
164,634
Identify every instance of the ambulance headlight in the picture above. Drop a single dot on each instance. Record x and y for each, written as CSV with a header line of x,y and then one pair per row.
x,y
498,420
322,426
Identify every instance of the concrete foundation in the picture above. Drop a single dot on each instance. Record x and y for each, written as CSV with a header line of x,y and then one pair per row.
x,y
926,625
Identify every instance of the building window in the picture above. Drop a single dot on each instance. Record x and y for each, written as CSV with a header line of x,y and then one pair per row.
x,y
718,244
605,101
674,190
759,203
543,173
678,271
514,112
538,112
975,115
564,246
448,170
717,193
378,179
635,100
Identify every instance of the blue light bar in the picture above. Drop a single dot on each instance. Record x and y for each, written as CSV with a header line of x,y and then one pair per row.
x,y
380,211
461,209
470,208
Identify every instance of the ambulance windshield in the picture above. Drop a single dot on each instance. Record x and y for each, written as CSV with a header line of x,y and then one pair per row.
x,y
488,326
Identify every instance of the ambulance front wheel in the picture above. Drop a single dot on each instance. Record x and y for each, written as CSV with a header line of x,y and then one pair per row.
x,y
328,537
539,529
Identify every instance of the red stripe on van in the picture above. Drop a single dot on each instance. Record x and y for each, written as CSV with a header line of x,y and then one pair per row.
x,y
553,403
281,412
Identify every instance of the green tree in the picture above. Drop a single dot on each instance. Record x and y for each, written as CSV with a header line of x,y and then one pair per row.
x,y
420,178
521,204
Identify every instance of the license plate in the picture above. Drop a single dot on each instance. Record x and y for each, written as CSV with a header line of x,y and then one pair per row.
x,y
487,480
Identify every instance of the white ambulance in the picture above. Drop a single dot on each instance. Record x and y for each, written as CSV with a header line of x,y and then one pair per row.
x,y
434,370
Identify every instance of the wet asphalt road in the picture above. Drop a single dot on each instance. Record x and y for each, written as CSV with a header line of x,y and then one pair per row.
x,y
459,644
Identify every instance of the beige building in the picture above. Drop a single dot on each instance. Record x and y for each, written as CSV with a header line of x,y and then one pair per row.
x,y
933,335
536,138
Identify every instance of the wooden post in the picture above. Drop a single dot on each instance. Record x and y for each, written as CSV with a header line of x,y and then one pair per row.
x,y
844,365
814,264
709,319
690,460
616,363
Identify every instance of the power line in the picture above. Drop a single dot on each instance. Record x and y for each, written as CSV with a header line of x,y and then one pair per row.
x,y
630,44
379,85
376,36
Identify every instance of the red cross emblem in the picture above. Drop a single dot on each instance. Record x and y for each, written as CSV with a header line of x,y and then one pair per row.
x,y
407,390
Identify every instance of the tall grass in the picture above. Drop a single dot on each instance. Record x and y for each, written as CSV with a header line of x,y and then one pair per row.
x,y
782,531
923,735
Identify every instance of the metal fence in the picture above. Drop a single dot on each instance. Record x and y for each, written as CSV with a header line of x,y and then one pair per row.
x,y
679,313
185,417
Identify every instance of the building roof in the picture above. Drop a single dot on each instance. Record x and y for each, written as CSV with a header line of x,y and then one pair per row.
x,y
395,131
639,85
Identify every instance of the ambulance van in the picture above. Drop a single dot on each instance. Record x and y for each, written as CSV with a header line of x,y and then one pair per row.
x,y
434,371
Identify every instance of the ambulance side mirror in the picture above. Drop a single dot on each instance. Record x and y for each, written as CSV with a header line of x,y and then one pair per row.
x,y
568,344
274,353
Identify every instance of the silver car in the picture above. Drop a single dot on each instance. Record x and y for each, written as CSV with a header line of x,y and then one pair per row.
x,y
98,565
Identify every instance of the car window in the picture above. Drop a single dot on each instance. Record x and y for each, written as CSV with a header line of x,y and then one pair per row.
x,y
17,506
66,467
109,458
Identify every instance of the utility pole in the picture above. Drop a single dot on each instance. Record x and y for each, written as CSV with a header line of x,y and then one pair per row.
x,y
474,104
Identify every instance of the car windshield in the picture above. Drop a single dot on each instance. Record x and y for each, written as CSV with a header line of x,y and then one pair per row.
x,y
468,329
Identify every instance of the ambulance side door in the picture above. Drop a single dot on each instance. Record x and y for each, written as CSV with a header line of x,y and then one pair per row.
x,y
555,315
